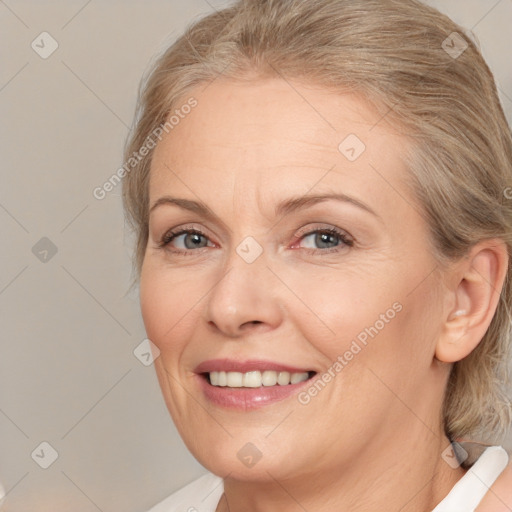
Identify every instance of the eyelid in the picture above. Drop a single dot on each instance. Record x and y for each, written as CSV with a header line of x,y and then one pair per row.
x,y
320,226
163,221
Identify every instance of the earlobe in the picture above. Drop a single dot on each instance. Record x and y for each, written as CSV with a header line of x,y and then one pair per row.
x,y
477,282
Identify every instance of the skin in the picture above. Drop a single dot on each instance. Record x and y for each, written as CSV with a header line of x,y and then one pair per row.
x,y
373,437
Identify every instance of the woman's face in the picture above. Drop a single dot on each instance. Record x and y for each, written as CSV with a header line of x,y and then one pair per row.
x,y
283,241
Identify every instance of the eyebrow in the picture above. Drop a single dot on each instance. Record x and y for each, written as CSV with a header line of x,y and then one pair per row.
x,y
187,204
298,203
283,208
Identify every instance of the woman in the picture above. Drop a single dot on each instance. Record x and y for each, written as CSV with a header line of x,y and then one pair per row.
x,y
323,247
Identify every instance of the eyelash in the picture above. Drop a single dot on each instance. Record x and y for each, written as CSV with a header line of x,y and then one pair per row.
x,y
171,235
345,239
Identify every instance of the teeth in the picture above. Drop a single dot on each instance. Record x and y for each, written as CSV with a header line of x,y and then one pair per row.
x,y
223,380
283,378
252,379
295,378
234,379
256,379
269,378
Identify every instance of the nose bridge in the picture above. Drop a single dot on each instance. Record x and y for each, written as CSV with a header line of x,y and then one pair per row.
x,y
244,294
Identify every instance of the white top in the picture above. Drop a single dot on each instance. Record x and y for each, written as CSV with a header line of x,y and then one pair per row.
x,y
203,494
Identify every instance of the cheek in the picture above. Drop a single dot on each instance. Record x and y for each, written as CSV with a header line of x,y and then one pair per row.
x,y
340,305
374,314
169,302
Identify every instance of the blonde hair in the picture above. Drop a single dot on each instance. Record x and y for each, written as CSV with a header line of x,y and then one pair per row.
x,y
402,57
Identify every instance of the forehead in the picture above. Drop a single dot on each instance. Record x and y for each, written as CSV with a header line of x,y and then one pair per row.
x,y
271,137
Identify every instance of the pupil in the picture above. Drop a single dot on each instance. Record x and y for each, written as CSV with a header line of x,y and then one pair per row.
x,y
195,240
325,238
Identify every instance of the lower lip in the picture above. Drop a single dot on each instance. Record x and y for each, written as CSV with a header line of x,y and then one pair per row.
x,y
248,398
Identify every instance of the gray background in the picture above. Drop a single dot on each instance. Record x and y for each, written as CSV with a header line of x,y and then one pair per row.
x,y
70,323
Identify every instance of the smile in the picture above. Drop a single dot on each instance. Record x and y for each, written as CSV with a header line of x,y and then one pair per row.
x,y
245,385
256,379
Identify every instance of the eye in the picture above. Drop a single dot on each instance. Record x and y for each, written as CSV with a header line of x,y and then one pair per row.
x,y
184,240
325,240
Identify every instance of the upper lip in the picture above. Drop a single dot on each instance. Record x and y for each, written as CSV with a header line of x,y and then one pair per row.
x,y
230,365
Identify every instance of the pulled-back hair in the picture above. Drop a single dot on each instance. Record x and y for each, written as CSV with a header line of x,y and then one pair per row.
x,y
425,76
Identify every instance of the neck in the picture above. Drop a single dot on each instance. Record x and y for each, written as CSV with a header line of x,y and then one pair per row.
x,y
409,476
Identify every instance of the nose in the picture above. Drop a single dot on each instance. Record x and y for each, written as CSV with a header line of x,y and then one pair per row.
x,y
244,299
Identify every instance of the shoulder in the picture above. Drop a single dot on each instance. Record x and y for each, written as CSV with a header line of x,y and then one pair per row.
x,y
499,496
201,495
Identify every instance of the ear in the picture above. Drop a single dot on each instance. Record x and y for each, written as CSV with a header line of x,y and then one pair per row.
x,y
473,294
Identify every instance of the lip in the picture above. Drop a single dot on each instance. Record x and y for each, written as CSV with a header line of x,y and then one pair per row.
x,y
244,399
230,365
